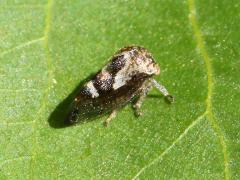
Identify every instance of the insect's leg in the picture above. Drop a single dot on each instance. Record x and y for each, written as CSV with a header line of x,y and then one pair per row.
x,y
163,90
145,89
111,116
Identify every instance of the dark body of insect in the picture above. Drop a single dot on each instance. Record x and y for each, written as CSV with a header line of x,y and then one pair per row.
x,y
127,76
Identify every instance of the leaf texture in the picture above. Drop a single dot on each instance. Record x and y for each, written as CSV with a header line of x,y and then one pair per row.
x,y
48,47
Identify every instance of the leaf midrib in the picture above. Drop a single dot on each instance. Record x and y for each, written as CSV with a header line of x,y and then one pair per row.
x,y
50,72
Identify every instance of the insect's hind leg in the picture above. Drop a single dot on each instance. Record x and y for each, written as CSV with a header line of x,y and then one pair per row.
x,y
111,116
163,90
144,91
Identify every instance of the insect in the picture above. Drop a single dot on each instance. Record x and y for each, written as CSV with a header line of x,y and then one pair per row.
x,y
127,76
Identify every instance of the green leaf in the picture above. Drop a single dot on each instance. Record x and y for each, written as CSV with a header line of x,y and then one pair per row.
x,y
47,48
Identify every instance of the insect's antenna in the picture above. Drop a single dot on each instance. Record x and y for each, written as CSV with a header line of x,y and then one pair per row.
x,y
163,90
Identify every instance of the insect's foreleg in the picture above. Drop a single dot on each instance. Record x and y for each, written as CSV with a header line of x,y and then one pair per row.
x,y
111,116
163,90
145,89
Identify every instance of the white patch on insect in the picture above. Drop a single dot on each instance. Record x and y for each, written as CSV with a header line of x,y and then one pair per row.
x,y
93,91
122,77
133,66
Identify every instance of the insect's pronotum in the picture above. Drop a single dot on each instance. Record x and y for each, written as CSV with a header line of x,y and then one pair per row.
x,y
127,76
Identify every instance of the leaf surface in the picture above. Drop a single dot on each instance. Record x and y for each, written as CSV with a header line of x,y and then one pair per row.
x,y
48,47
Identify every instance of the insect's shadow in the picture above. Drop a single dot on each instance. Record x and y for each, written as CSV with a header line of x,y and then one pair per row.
x,y
159,96
57,118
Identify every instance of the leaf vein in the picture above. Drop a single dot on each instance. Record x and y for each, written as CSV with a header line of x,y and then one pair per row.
x,y
14,159
207,60
18,90
20,46
27,6
48,19
15,123
181,136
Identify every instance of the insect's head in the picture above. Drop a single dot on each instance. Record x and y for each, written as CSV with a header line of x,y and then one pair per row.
x,y
139,59
146,63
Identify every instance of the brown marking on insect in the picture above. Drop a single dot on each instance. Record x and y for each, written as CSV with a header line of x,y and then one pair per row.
x,y
103,81
116,64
